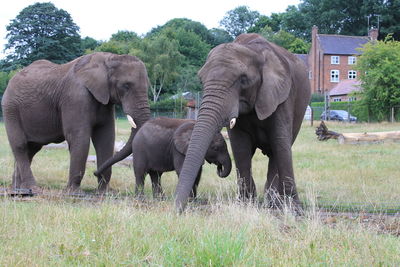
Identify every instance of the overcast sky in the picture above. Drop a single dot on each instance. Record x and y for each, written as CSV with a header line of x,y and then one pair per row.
x,y
100,19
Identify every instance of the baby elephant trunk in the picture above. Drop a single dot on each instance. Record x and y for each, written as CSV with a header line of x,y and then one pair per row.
x,y
225,167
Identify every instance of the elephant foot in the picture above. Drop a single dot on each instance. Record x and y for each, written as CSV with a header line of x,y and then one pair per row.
x,y
25,190
74,191
109,191
139,196
159,196
284,203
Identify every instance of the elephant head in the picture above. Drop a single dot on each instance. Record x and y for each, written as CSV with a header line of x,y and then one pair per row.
x,y
217,152
116,79
245,77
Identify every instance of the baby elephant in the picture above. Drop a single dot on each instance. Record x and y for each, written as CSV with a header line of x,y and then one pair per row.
x,y
160,145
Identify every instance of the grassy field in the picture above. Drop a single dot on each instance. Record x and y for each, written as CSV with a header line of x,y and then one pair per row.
x,y
216,231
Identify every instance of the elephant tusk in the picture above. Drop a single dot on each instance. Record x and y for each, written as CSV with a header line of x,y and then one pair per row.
x,y
232,123
131,121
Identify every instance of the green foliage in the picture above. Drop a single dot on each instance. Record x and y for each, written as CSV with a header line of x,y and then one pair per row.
x,y
5,77
89,44
219,36
316,97
274,22
239,20
41,31
162,59
169,104
342,17
286,40
192,47
187,25
379,65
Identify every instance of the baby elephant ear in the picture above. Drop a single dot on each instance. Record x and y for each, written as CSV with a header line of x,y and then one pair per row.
x,y
92,72
182,137
276,83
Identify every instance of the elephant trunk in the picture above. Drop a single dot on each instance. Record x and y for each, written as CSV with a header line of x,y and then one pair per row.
x,y
126,150
208,124
225,168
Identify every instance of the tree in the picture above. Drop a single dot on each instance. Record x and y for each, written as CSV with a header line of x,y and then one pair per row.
x,y
286,40
41,31
379,65
187,25
239,20
89,44
219,36
122,42
162,59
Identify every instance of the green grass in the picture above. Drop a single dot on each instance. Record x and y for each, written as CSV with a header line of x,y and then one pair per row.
x,y
60,232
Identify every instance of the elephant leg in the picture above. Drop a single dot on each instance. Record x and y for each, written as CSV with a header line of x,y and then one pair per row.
x,y
22,176
193,193
271,194
79,150
156,184
17,180
140,175
103,141
243,151
286,186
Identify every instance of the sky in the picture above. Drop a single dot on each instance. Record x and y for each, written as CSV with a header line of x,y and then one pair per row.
x,y
100,19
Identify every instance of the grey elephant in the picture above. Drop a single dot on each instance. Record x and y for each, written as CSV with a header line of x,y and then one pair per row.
x,y
260,92
47,102
160,146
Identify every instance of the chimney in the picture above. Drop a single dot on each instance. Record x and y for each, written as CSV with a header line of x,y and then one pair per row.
x,y
314,33
373,34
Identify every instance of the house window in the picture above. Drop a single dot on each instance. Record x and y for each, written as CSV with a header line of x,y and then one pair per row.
x,y
352,60
335,60
337,99
352,74
310,75
352,98
334,76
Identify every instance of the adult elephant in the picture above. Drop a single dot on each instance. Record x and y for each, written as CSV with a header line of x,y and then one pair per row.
x,y
260,91
46,103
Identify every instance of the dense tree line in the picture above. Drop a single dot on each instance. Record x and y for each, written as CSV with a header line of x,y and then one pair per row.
x,y
175,51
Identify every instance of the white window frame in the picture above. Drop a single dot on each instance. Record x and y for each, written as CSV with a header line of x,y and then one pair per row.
x,y
335,76
352,74
335,60
337,99
352,60
352,98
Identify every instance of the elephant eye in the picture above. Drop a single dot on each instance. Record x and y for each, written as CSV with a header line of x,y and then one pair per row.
x,y
244,80
127,85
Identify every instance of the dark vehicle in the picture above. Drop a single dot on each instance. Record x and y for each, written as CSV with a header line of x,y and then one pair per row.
x,y
338,115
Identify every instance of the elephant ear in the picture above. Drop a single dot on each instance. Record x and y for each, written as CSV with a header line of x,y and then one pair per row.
x,y
182,137
92,72
276,82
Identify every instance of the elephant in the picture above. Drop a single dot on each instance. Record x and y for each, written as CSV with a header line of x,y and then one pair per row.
x,y
160,145
49,103
259,91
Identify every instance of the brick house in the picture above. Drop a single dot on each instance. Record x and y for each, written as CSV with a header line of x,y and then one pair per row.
x,y
332,58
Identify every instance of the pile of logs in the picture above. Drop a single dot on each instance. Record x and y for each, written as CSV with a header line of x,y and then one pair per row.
x,y
324,134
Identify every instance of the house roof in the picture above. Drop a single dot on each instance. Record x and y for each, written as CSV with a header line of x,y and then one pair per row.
x,y
345,87
341,44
